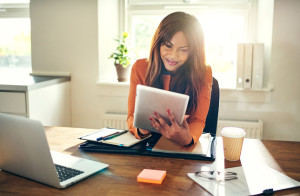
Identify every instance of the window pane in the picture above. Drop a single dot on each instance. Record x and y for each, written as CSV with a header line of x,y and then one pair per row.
x,y
143,29
15,46
222,30
222,34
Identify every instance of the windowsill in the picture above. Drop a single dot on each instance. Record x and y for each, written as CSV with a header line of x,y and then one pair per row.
x,y
111,83
240,95
237,95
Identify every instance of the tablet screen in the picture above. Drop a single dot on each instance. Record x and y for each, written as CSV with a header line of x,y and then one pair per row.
x,y
149,100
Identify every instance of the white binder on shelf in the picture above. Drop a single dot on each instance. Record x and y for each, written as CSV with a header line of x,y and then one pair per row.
x,y
248,65
240,66
257,66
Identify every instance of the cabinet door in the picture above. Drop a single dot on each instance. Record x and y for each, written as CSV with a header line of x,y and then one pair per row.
x,y
13,102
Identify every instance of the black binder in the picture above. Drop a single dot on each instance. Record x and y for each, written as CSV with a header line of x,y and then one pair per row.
x,y
145,148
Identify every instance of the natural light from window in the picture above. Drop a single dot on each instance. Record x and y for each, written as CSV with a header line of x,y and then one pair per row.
x,y
15,49
15,41
222,32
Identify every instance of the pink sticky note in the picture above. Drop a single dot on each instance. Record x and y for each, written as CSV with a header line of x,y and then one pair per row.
x,y
152,176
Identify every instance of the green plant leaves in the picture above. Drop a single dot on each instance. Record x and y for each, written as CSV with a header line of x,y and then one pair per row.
x,y
121,56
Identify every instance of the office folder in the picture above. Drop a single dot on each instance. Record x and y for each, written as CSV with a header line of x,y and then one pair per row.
x,y
240,66
257,66
148,147
112,136
248,65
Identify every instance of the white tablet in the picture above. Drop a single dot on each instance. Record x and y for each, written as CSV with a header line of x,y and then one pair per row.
x,y
149,100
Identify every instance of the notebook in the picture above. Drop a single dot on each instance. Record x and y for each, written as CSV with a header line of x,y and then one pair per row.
x,y
149,100
113,136
25,152
203,150
202,147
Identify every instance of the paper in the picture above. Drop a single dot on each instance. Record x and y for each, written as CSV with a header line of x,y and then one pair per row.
x,y
126,139
252,180
236,187
260,178
202,146
99,133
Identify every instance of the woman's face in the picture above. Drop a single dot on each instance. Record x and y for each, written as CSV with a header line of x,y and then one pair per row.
x,y
175,52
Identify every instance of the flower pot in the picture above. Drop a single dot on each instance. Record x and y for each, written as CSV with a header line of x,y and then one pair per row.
x,y
123,73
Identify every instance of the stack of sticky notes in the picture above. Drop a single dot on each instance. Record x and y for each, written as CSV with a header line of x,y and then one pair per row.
x,y
152,176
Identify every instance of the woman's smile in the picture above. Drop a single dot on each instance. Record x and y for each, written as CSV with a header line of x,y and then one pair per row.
x,y
174,53
171,62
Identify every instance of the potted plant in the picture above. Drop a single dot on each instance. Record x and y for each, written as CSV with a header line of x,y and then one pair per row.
x,y
122,59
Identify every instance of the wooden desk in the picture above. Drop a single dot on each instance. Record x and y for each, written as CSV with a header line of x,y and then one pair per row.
x,y
120,177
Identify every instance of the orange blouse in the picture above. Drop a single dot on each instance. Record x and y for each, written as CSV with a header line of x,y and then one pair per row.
x,y
196,125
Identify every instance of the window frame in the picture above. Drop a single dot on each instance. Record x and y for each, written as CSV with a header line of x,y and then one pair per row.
x,y
246,8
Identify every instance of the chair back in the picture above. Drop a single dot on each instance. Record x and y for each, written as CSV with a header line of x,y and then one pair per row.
x,y
213,112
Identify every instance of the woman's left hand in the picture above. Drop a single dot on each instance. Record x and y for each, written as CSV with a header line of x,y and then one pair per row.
x,y
179,134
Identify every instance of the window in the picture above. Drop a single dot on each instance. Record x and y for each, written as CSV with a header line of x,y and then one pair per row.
x,y
225,24
15,44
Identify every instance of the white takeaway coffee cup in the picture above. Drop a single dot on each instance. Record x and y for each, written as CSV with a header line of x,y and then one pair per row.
x,y
233,138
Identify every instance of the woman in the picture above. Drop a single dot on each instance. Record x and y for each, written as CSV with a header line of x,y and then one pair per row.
x,y
176,63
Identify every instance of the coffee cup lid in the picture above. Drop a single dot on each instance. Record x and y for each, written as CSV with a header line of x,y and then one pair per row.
x,y
234,132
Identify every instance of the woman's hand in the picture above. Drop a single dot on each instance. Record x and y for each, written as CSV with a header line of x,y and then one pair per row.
x,y
180,134
143,131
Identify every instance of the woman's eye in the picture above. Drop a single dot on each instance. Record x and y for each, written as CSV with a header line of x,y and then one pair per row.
x,y
168,46
184,50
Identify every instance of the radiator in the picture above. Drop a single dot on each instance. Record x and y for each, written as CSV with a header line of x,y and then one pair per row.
x,y
115,120
253,128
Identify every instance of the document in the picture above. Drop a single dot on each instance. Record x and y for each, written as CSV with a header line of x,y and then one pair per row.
x,y
113,136
167,146
260,178
251,180
235,187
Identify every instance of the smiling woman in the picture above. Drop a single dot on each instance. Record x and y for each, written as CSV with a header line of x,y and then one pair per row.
x,y
176,63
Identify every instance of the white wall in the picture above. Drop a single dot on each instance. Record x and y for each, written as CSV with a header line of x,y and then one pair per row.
x,y
65,39
281,116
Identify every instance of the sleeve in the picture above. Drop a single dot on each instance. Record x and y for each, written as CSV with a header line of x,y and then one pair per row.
x,y
197,124
135,79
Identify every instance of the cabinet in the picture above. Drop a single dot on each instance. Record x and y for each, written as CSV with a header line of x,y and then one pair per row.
x,y
13,102
48,101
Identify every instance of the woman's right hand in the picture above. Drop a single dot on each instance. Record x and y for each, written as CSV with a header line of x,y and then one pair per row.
x,y
143,132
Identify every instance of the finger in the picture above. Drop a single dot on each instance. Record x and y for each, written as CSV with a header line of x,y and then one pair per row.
x,y
156,125
172,117
143,131
186,117
185,123
160,120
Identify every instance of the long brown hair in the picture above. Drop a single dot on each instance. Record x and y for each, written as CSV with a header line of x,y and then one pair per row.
x,y
188,78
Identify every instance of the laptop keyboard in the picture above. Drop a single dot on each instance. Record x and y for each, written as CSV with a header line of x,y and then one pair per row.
x,y
65,173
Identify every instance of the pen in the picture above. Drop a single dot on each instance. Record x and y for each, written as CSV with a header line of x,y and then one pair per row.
x,y
115,135
103,137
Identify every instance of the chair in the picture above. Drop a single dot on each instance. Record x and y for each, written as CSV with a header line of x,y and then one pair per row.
x,y
212,115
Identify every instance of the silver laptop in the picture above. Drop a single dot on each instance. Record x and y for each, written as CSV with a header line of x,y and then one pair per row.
x,y
149,100
25,152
